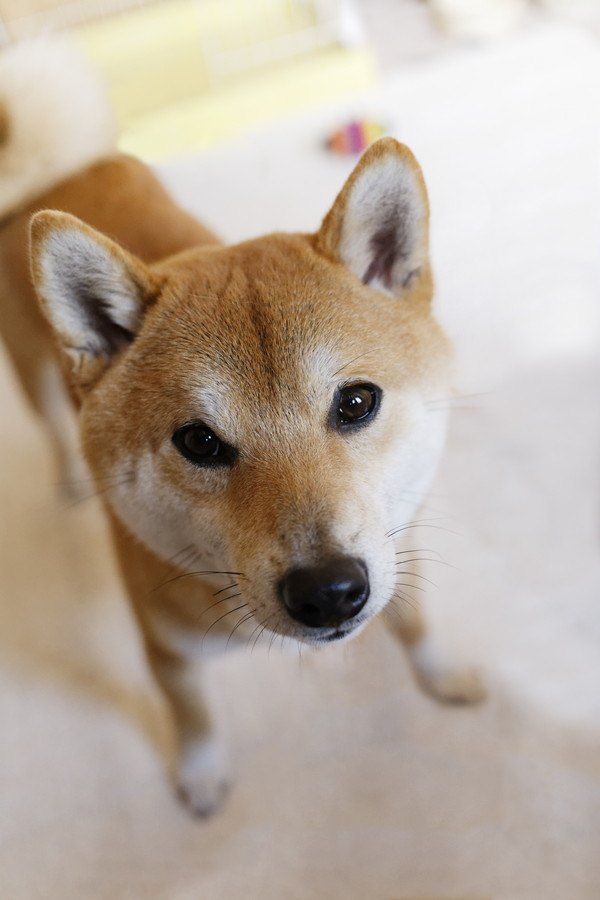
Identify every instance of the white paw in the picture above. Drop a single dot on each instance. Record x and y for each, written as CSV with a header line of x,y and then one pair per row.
x,y
202,781
454,686
443,681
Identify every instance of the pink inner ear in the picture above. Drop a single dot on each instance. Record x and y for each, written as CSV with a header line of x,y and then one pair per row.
x,y
386,246
109,335
383,237
390,245
91,297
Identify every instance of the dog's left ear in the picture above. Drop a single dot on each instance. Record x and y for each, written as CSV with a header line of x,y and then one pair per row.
x,y
378,225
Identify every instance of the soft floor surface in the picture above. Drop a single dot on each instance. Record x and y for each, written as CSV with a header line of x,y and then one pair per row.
x,y
349,783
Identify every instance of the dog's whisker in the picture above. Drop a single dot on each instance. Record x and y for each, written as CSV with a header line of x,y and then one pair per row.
x,y
420,523
236,584
95,479
416,522
273,636
417,550
399,611
184,557
407,599
392,608
415,587
260,633
231,597
190,557
252,633
99,493
416,575
424,525
412,574
441,562
245,618
194,575
212,606
394,603
180,553
220,619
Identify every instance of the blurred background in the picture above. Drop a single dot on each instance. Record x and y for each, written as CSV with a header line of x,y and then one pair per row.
x,y
185,74
348,782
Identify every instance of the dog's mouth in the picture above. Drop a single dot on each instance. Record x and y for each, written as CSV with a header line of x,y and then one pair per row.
x,y
339,633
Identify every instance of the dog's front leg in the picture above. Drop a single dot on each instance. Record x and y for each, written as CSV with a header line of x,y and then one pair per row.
x,y
437,675
201,776
167,608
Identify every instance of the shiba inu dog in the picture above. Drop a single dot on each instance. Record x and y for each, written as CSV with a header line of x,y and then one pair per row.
x,y
255,416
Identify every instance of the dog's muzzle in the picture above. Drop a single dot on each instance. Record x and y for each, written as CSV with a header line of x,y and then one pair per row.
x,y
328,595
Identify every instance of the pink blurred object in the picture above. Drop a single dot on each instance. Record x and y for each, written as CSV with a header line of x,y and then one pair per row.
x,y
354,137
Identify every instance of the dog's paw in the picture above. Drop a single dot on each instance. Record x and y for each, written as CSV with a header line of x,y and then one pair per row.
x,y
202,781
443,681
460,686
203,794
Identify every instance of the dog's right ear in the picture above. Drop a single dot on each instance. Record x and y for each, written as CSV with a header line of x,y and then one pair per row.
x,y
92,292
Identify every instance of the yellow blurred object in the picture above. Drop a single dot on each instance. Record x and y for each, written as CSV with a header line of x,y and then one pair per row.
x,y
200,122
183,74
150,57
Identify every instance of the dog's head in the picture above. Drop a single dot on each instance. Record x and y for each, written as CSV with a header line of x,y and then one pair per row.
x,y
266,403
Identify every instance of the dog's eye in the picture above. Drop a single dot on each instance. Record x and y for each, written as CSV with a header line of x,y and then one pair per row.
x,y
356,403
202,446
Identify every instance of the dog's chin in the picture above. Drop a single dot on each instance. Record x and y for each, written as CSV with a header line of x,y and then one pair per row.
x,y
319,636
338,635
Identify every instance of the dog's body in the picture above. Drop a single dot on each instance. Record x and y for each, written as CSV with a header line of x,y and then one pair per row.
x,y
256,415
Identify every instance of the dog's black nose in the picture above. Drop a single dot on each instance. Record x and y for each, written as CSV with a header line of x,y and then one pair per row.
x,y
327,595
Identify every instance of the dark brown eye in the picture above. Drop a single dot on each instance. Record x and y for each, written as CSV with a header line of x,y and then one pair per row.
x,y
356,403
202,446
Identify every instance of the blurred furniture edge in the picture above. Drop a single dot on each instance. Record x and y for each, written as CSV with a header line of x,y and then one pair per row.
x,y
186,74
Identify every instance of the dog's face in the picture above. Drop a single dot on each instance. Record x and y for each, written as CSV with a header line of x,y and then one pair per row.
x,y
265,405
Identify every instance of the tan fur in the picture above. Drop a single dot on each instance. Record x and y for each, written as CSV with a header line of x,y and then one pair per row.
x,y
269,327
138,202
4,125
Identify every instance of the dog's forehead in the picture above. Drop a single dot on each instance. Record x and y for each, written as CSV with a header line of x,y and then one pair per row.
x,y
259,336
270,314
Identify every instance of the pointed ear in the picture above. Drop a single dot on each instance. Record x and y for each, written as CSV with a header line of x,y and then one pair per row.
x,y
378,225
92,292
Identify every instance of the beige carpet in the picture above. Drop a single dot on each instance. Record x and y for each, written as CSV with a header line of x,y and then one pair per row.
x,y
349,783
